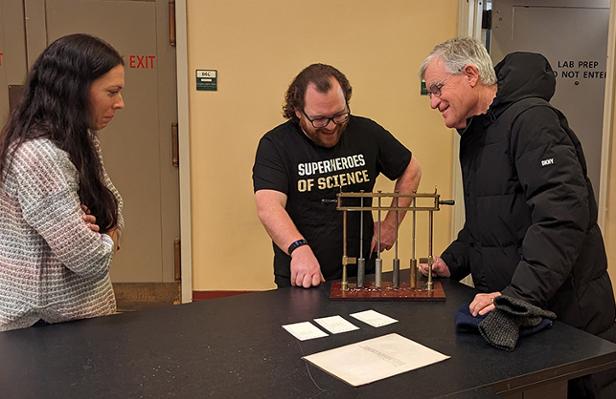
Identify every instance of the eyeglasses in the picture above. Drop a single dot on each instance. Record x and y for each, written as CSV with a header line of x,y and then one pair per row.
x,y
435,89
338,119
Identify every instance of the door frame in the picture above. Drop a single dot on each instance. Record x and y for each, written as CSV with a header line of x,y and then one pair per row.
x,y
608,121
469,24
184,148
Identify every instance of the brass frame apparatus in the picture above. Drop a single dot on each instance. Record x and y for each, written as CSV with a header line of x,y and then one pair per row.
x,y
413,207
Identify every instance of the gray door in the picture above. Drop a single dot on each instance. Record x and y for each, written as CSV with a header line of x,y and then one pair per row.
x,y
137,146
572,34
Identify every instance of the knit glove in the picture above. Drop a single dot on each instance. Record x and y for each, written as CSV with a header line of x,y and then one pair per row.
x,y
501,327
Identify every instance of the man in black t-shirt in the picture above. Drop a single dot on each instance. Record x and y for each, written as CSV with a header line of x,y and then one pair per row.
x,y
302,164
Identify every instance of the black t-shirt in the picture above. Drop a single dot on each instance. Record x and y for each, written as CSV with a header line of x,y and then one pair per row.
x,y
289,162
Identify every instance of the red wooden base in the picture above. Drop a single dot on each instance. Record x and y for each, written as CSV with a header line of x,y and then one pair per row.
x,y
388,293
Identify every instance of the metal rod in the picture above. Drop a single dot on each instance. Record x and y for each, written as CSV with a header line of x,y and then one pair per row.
x,y
396,273
386,195
377,263
344,284
413,264
361,262
389,208
397,222
413,274
378,236
361,229
396,263
430,255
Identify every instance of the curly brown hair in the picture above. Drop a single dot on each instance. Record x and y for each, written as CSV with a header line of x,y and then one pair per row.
x,y
319,75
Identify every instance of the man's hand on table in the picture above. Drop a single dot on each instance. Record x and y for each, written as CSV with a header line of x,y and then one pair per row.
x,y
483,304
305,268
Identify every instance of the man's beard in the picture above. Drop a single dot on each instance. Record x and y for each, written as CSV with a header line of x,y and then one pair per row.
x,y
316,134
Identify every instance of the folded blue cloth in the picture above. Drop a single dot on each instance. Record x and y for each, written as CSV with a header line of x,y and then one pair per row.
x,y
467,323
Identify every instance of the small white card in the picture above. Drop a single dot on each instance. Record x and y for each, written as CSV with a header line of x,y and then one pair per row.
x,y
336,324
373,318
304,330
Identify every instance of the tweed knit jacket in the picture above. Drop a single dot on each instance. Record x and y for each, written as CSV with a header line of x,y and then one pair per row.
x,y
52,266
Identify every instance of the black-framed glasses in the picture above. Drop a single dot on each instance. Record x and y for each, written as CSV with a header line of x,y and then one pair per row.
x,y
338,119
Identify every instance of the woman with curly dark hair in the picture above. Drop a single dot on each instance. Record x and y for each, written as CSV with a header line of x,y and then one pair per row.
x,y
61,215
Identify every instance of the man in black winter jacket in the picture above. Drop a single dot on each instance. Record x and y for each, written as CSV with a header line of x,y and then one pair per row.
x,y
531,217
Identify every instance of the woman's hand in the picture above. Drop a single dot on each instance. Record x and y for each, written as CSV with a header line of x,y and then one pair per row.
x,y
90,219
91,223
115,236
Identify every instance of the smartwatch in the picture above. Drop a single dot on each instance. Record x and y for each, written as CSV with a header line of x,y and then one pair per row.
x,y
296,244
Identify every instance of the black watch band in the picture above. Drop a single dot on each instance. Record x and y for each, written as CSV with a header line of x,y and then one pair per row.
x,y
296,244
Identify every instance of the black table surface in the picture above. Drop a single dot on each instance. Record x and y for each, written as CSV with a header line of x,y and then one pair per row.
x,y
235,347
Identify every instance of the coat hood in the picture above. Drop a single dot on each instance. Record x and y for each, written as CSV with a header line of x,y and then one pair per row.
x,y
522,75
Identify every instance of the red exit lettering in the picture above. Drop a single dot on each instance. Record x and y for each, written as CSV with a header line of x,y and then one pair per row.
x,y
141,61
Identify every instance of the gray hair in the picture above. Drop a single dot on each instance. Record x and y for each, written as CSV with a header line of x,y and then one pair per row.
x,y
460,52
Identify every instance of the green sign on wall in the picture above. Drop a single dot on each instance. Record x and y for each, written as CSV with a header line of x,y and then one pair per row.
x,y
207,79
423,90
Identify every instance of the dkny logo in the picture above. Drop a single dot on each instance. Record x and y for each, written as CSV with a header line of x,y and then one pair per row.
x,y
548,161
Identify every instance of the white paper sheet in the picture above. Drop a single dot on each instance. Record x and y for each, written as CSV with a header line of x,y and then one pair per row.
x,y
336,324
305,330
373,318
374,359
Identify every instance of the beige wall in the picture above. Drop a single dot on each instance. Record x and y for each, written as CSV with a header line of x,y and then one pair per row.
x,y
257,48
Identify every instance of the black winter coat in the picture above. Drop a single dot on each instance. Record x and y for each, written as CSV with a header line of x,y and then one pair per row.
x,y
531,217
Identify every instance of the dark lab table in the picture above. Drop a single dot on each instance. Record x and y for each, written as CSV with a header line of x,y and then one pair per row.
x,y
235,347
